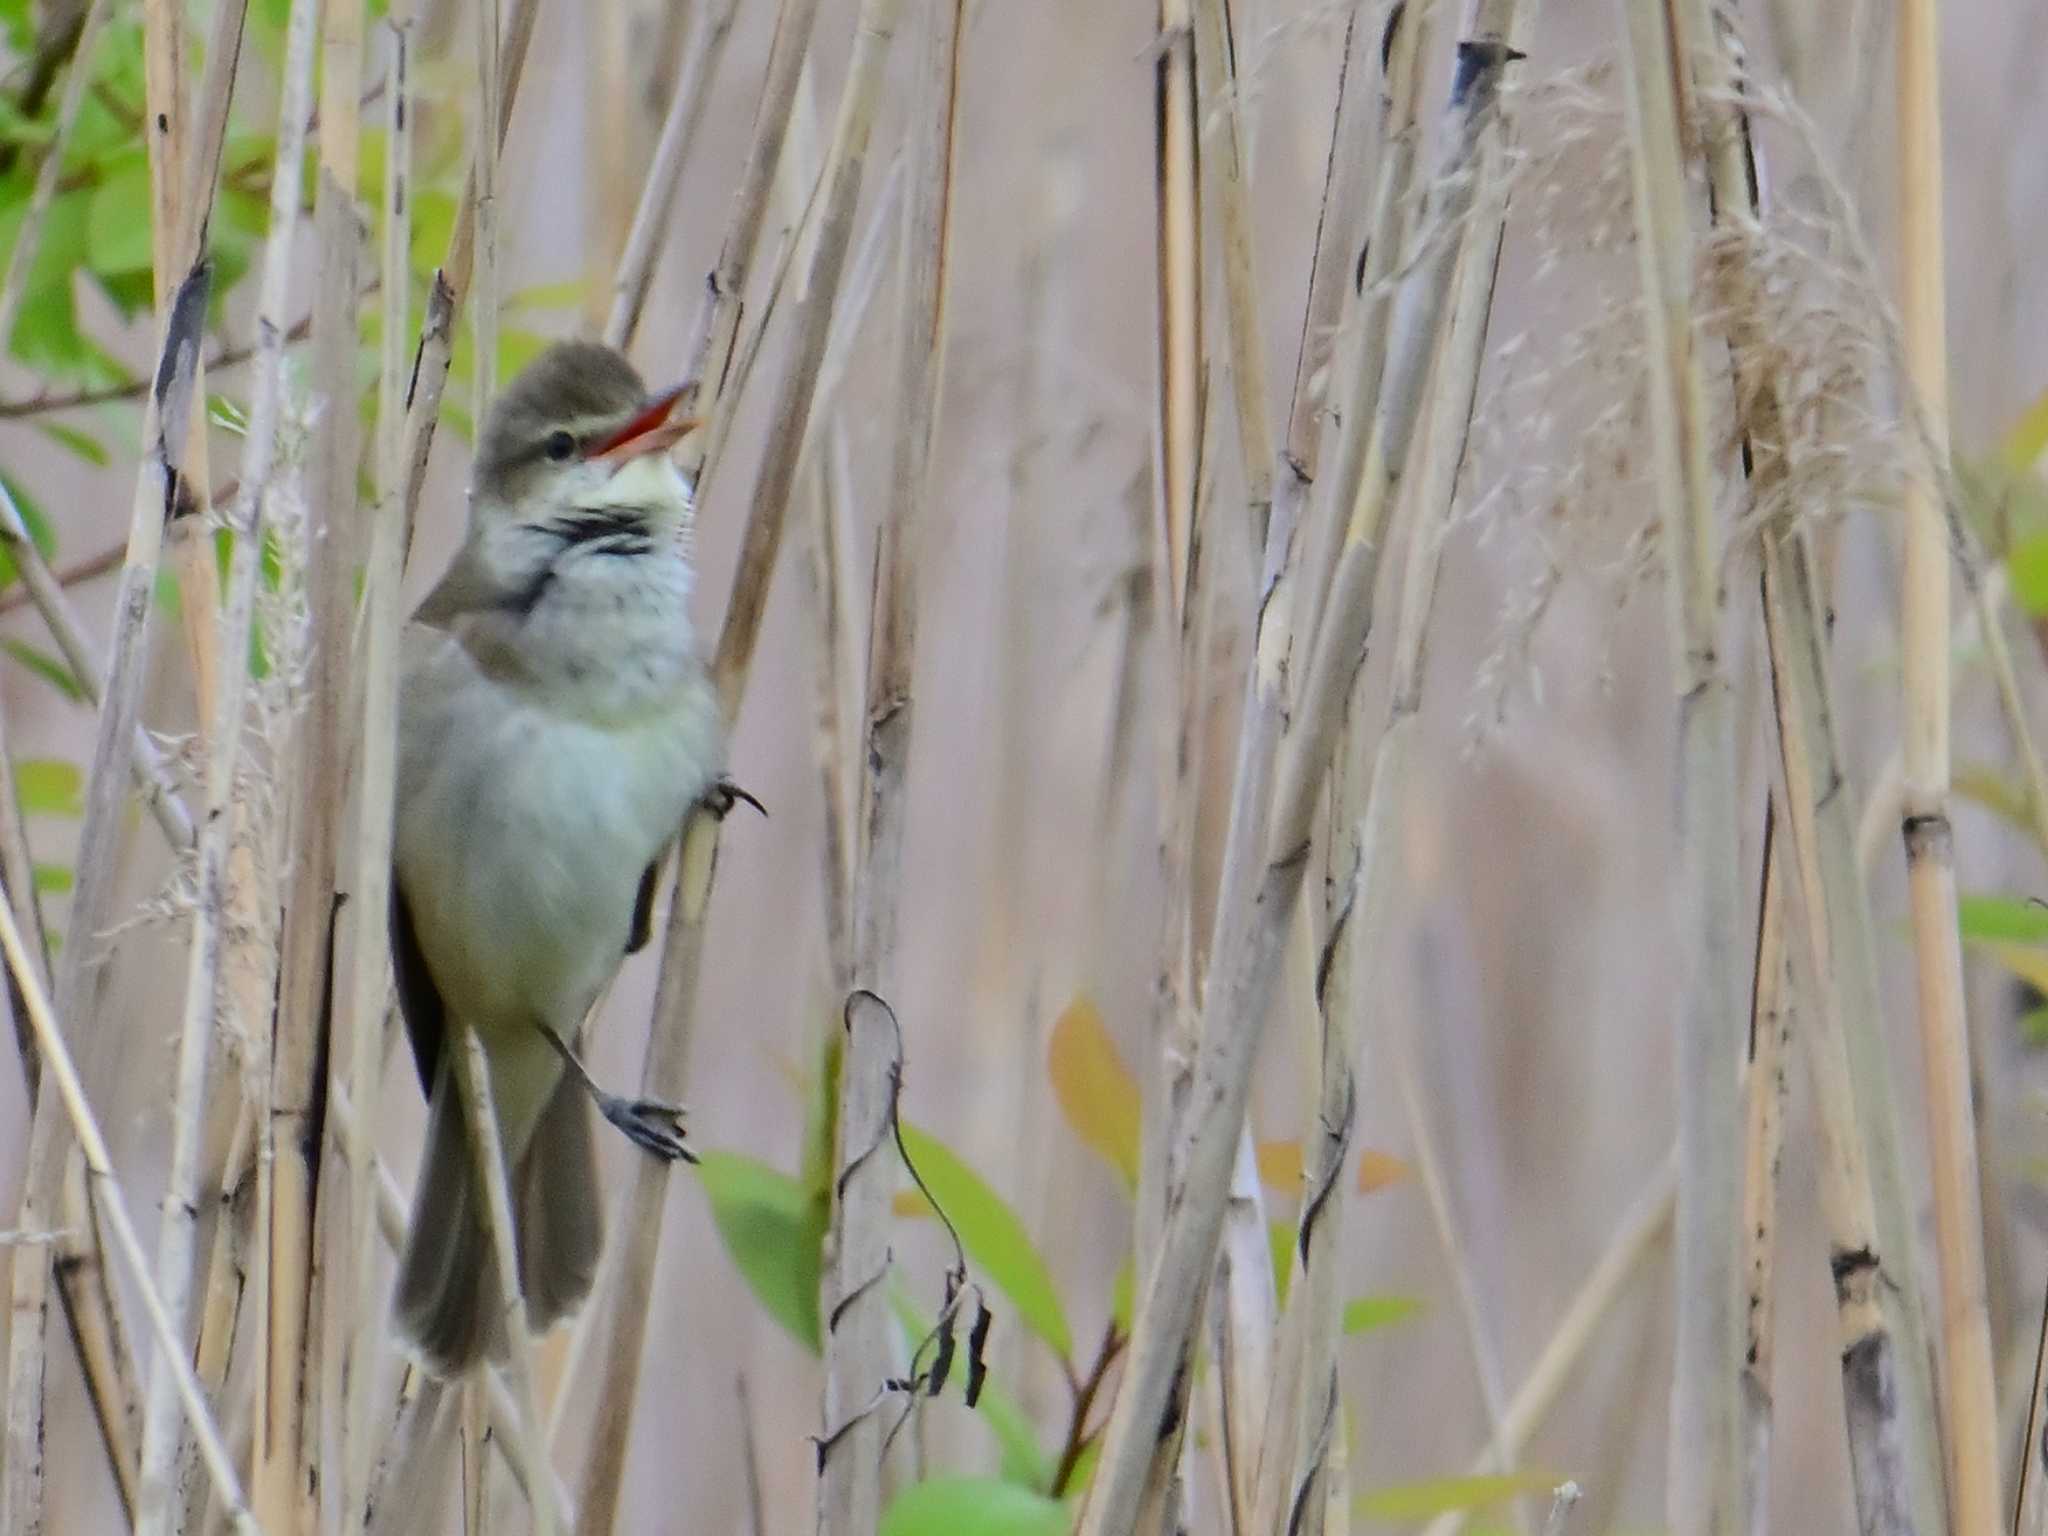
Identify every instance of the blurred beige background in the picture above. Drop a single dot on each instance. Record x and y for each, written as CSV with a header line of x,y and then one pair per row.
x,y
1528,982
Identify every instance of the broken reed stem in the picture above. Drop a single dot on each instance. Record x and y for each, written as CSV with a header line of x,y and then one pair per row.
x,y
652,219
1765,1079
1704,1487
152,775
1591,1306
178,1232
452,278
1177,186
1969,1394
1265,858
108,1199
480,1116
369,877
51,1187
1887,1396
1349,962
1220,99
483,308
673,1016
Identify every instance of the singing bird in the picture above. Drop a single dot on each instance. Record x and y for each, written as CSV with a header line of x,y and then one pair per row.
x,y
556,725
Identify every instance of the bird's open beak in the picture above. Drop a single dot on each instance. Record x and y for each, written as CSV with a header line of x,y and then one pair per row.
x,y
650,431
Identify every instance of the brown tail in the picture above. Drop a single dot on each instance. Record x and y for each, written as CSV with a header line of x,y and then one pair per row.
x,y
448,1302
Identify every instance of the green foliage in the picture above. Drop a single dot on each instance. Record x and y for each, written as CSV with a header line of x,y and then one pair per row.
x,y
48,786
774,1232
2001,919
973,1506
53,879
1398,1503
1363,1314
33,518
51,669
76,441
994,1238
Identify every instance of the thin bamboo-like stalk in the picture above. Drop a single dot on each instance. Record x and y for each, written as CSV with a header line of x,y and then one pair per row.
x,y
51,1183
1349,960
480,1116
1703,1494
652,219
1592,1304
178,1233
670,1030
376,776
1266,855
1216,56
1969,1393
1764,1083
152,775
315,768
452,279
70,1094
483,305
1894,1453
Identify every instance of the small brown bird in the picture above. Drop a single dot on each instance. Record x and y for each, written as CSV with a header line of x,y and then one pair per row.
x,y
556,724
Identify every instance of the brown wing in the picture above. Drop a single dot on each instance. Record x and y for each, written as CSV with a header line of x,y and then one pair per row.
x,y
643,911
419,1000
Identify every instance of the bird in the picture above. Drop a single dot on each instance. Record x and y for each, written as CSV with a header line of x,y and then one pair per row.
x,y
556,726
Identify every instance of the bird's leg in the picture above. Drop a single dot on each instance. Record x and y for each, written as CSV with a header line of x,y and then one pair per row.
x,y
653,1125
721,797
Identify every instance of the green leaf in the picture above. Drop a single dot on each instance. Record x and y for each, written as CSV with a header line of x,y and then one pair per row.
x,y
84,444
1097,1093
53,879
2001,919
2027,565
567,294
1016,1437
51,669
993,1236
1280,1237
775,1234
1401,1502
117,225
49,786
2027,439
973,1506
1362,1314
33,518
2033,1027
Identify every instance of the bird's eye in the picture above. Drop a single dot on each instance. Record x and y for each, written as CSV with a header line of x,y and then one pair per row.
x,y
560,446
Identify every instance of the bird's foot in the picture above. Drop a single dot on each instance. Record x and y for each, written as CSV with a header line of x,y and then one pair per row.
x,y
653,1125
720,799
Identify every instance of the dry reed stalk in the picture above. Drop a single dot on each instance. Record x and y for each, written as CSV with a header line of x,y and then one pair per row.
x,y
480,1115
2030,1498
1359,348
1348,963
1220,98
62,1075
53,1184
1704,1488
178,1232
452,279
1590,1306
1969,1396
225,1282
483,303
651,217
1177,184
164,110
151,773
1266,854
18,887
670,1030
369,876
1887,1398
315,768
1764,1082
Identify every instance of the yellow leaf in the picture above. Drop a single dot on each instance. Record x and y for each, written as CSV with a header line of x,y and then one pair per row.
x,y
910,1204
2024,961
1096,1091
1280,1166
1376,1170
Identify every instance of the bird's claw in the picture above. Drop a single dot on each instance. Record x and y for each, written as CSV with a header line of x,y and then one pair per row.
x,y
720,799
653,1125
